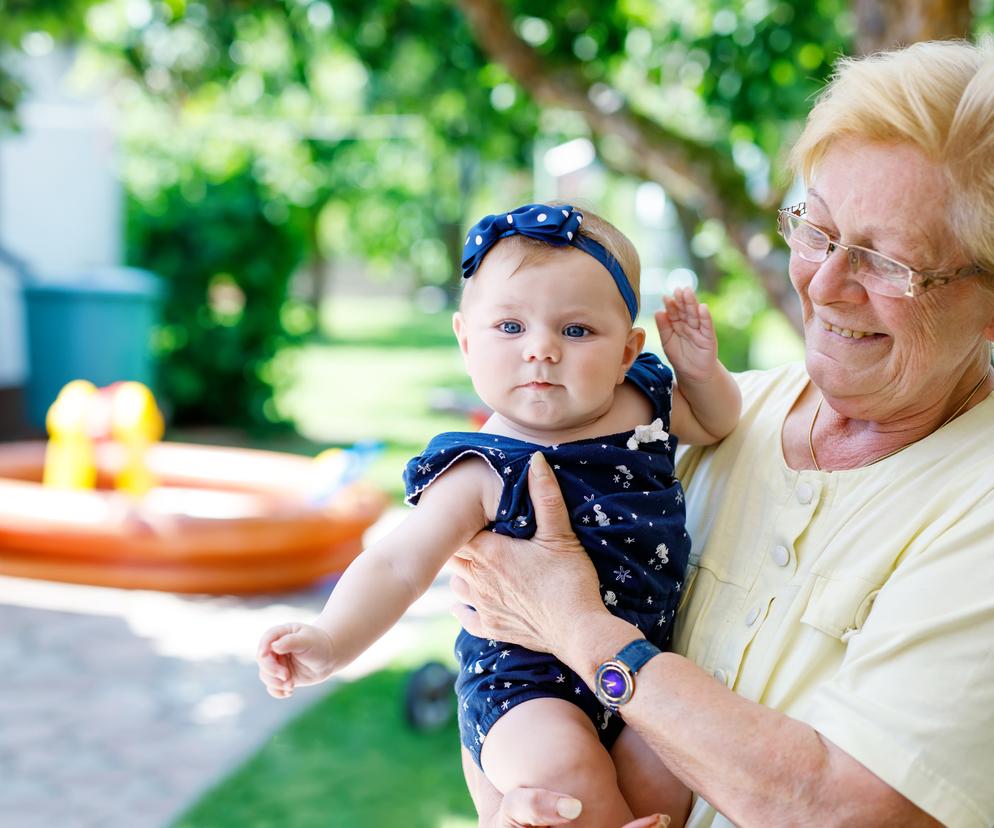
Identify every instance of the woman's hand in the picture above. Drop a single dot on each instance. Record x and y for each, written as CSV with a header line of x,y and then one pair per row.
x,y
530,592
538,808
530,807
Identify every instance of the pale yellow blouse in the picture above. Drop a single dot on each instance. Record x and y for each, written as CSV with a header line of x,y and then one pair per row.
x,y
860,601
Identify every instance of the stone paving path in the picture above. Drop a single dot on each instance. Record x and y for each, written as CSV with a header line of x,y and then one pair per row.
x,y
119,708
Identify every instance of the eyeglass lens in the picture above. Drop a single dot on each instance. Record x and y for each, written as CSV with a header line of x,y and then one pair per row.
x,y
814,245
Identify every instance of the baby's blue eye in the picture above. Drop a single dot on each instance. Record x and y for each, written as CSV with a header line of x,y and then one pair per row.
x,y
511,327
575,331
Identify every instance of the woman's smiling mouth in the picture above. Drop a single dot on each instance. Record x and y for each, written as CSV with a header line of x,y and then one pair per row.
x,y
847,333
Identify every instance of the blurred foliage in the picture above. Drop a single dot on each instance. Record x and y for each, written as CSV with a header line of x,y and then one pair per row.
x,y
228,249
264,136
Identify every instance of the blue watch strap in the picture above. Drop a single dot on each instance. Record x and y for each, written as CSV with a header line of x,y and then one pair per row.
x,y
636,654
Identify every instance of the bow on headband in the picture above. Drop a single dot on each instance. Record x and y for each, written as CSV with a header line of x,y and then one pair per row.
x,y
558,226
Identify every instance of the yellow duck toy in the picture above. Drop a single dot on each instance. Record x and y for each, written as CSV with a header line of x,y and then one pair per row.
x,y
70,462
125,412
136,423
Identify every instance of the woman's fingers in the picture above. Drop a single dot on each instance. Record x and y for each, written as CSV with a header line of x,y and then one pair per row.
x,y
654,821
537,807
551,517
469,620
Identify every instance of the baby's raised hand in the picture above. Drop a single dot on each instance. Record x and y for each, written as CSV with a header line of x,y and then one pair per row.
x,y
293,655
687,334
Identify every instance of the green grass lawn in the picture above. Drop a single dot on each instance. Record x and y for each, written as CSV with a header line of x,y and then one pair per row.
x,y
350,761
371,377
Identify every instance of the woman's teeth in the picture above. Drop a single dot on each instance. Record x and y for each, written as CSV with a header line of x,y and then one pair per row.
x,y
846,332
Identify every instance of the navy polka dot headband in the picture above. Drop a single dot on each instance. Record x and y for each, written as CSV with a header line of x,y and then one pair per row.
x,y
559,226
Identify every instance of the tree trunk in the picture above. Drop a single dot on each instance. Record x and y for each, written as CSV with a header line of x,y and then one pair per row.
x,y
886,24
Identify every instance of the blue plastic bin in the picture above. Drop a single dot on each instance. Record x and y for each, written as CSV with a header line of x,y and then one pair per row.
x,y
95,326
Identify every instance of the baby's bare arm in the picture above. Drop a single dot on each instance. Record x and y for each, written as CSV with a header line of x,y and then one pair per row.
x,y
379,586
387,578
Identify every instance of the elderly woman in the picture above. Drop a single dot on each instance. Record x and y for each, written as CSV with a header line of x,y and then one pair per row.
x,y
834,655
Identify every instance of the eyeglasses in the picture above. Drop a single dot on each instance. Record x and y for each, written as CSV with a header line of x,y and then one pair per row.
x,y
877,273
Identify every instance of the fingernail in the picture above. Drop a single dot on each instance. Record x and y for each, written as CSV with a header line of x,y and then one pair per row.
x,y
568,808
662,820
539,468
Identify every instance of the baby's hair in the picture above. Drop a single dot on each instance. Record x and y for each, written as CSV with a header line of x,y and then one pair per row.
x,y
594,227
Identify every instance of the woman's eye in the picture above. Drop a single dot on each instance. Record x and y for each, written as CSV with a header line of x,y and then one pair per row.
x,y
511,327
575,331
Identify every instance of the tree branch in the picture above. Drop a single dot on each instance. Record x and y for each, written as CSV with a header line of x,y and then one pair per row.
x,y
696,176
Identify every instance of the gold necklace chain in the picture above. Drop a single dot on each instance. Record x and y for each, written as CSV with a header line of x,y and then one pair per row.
x,y
953,416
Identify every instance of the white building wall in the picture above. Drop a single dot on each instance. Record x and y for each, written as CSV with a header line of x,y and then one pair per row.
x,y
61,204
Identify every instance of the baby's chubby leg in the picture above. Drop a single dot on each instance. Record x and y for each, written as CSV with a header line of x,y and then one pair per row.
x,y
550,743
649,787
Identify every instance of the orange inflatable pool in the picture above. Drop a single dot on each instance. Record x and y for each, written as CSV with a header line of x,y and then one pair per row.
x,y
221,520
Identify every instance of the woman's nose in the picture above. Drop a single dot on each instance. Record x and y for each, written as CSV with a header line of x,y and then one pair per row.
x,y
834,280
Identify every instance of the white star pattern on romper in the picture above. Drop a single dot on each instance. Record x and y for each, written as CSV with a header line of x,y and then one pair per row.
x,y
617,478
679,497
560,678
629,540
577,691
491,642
556,466
505,653
622,574
505,704
586,518
507,684
649,600
507,469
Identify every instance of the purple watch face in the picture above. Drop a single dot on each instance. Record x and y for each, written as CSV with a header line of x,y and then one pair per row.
x,y
613,682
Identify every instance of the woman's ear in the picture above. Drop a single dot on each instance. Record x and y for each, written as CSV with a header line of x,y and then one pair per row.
x,y
633,347
989,330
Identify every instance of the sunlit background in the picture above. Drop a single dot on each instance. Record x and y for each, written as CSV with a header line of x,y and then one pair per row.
x,y
258,208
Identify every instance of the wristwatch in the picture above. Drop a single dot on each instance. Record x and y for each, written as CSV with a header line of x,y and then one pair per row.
x,y
614,681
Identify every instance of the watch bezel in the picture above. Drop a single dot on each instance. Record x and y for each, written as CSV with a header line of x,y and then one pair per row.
x,y
601,692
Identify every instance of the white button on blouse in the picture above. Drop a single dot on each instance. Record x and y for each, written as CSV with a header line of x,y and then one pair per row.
x,y
780,555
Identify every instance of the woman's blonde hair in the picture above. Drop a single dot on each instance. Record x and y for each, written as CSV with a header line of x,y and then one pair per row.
x,y
938,96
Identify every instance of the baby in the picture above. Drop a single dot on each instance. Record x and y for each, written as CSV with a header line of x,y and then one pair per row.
x,y
546,330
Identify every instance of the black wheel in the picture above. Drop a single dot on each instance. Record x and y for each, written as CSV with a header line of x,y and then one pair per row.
x,y
429,700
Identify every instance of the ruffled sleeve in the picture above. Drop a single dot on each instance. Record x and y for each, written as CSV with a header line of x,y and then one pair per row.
x,y
655,379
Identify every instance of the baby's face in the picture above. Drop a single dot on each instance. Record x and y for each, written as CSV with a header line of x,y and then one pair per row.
x,y
546,342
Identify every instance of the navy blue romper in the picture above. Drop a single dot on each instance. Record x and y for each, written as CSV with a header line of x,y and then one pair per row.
x,y
626,508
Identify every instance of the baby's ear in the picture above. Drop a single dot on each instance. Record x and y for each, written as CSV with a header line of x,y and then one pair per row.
x,y
633,347
459,329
